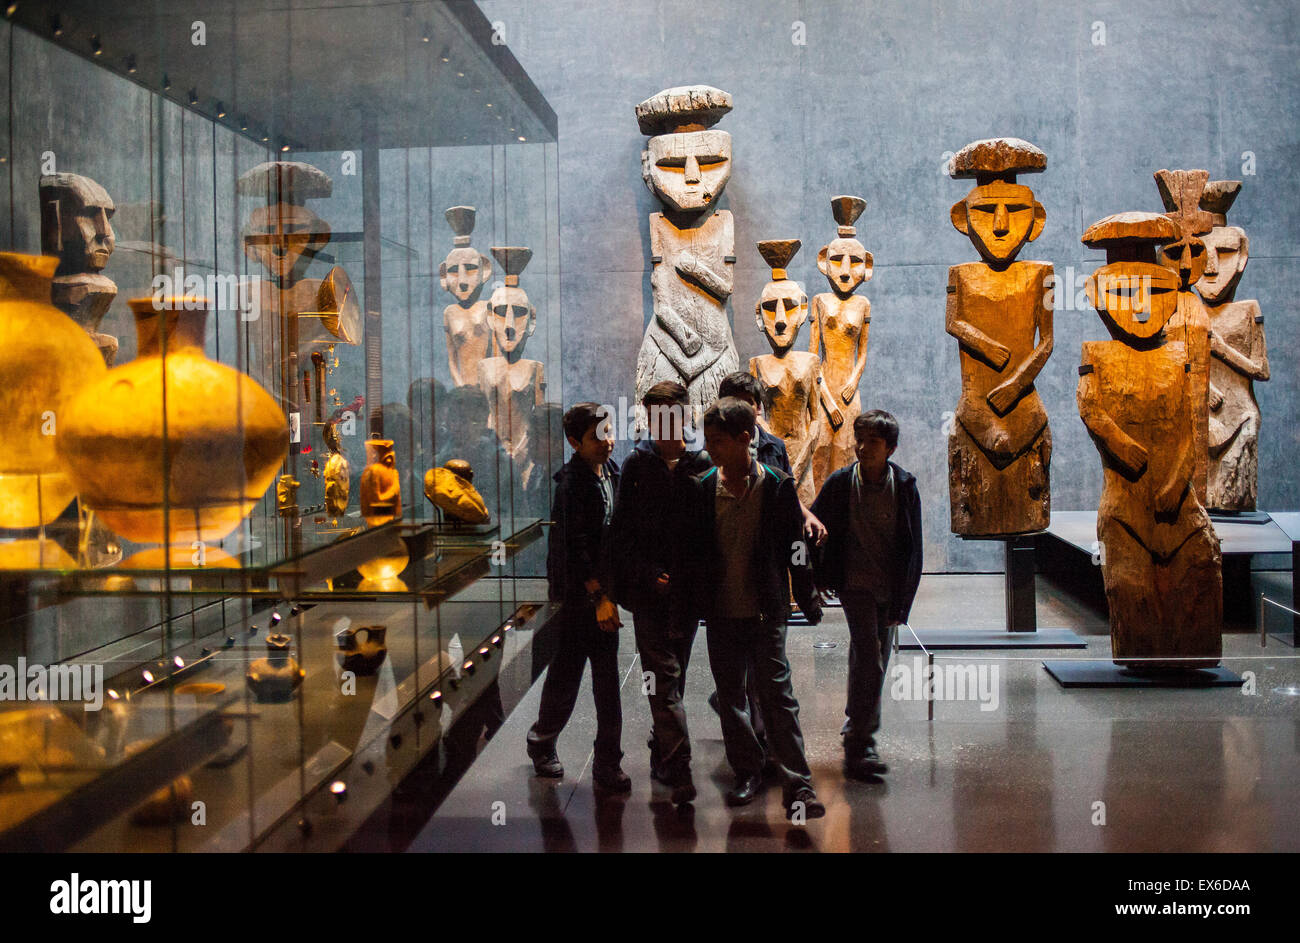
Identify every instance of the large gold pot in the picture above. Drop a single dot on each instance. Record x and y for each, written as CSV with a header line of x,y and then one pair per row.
x,y
218,450
45,359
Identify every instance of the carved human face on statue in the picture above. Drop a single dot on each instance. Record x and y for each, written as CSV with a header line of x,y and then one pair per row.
x,y
284,238
1227,250
1186,258
688,170
1135,299
464,273
999,218
780,313
85,236
846,265
512,318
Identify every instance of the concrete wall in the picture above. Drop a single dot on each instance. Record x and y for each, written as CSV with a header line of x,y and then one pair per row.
x,y
871,104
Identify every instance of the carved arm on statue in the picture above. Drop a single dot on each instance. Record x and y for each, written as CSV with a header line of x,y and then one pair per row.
x,y
1005,395
815,328
972,338
805,453
1171,491
1127,452
851,385
694,269
832,411
453,362
686,339
1255,369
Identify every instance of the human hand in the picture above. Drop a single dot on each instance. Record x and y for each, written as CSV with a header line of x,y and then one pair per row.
x,y
607,615
814,529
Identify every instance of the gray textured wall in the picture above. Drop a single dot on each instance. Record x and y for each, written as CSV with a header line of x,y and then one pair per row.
x,y
869,105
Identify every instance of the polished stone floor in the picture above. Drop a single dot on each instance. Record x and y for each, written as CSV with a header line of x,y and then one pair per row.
x,y
1025,765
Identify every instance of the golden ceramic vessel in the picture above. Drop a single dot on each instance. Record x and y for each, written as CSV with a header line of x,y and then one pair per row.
x,y
44,362
173,447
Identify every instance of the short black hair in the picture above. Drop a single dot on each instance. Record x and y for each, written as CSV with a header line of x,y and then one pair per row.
x,y
582,417
667,393
732,415
877,422
746,386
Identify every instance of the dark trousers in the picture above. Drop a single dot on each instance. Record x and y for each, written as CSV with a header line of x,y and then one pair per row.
x,y
665,650
581,640
871,641
738,647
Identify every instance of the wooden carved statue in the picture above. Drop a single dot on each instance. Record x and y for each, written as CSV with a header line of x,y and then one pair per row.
x,y
1238,357
801,406
513,386
1160,557
381,486
1000,310
338,473
284,236
686,165
463,274
840,322
75,227
1181,192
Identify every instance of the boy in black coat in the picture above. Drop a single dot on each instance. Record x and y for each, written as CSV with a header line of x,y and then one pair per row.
x,y
872,559
754,528
656,537
578,573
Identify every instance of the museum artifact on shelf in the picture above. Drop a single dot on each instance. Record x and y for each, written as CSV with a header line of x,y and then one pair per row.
x,y
381,486
1000,311
1181,192
800,408
46,359
513,386
275,678
840,323
463,274
338,472
1160,558
192,474
686,165
75,226
451,489
362,656
1238,357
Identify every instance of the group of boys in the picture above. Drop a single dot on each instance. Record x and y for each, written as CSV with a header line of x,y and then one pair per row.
x,y
681,535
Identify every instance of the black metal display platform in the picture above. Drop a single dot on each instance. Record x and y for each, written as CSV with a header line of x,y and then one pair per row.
x,y
1082,673
1022,618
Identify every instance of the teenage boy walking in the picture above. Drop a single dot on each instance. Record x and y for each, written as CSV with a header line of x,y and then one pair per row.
x,y
577,573
656,537
755,538
872,558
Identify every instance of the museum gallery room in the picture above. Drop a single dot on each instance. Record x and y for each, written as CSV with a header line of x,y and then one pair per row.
x,y
778,425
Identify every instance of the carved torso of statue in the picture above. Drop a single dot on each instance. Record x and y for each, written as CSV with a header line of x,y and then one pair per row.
x,y
795,411
469,340
1238,358
512,390
689,338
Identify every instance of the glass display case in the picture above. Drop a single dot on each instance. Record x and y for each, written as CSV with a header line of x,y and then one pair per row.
x,y
280,356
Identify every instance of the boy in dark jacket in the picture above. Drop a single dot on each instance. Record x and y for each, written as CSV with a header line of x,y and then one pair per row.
x,y
872,558
588,623
656,539
754,529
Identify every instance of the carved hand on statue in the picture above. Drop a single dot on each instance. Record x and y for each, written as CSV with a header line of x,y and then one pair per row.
x,y
691,342
1002,398
998,355
694,269
1132,456
1168,497
848,393
837,418
1215,398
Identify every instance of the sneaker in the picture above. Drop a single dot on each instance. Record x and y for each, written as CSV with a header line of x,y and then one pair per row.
x,y
812,806
611,780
